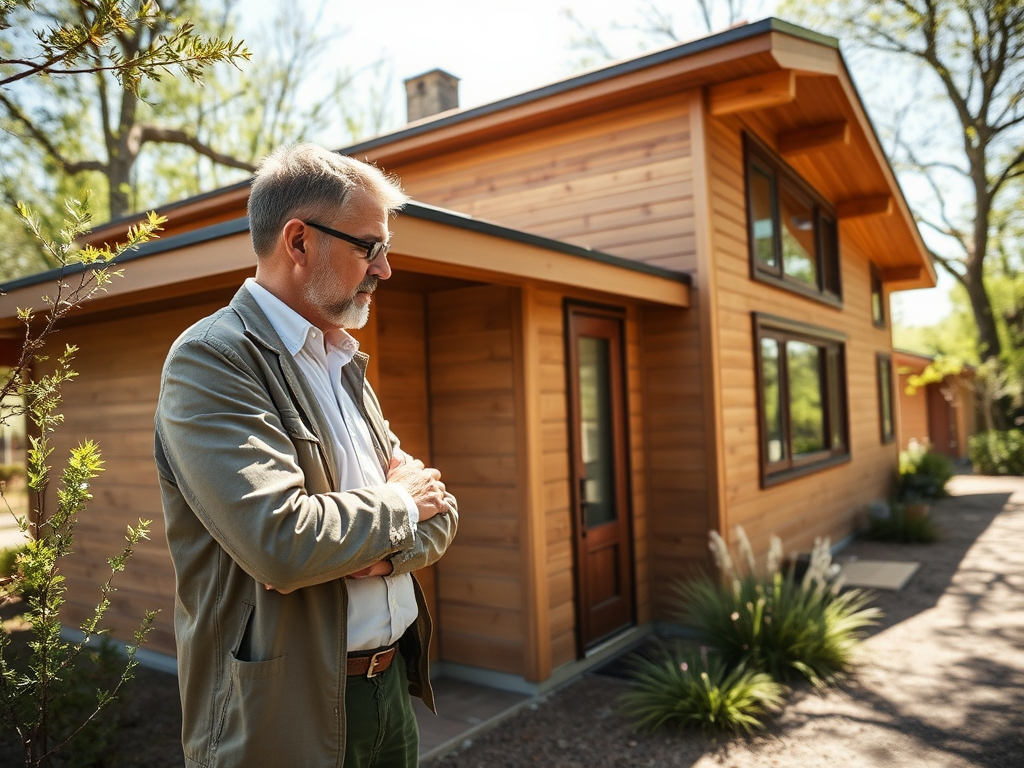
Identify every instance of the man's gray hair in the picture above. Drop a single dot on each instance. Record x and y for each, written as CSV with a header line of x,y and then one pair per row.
x,y
306,180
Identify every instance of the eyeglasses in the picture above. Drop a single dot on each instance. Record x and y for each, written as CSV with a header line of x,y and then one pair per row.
x,y
373,249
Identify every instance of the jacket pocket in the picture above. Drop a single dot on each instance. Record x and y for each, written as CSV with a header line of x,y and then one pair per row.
x,y
309,452
253,719
293,425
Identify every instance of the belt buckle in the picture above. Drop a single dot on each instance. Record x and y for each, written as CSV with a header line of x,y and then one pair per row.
x,y
374,661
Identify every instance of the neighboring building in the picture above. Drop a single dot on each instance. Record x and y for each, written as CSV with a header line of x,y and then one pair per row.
x,y
942,415
718,359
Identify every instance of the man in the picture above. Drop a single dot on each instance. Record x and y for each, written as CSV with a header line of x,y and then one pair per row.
x,y
293,517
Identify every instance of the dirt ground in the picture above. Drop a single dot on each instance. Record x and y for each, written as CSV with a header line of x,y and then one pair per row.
x,y
940,683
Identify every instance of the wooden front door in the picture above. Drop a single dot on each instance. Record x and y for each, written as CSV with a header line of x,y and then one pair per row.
x,y
604,567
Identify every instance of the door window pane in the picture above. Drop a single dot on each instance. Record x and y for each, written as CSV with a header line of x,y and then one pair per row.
x,y
596,430
806,414
775,444
798,251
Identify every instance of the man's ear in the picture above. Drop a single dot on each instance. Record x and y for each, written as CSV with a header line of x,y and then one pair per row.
x,y
294,235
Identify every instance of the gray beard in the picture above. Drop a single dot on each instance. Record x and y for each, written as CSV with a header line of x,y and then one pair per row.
x,y
353,316
345,313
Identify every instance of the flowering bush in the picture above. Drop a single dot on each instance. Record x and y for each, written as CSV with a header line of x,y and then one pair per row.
x,y
766,620
923,473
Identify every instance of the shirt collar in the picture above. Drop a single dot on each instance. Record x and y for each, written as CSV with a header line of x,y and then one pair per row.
x,y
296,331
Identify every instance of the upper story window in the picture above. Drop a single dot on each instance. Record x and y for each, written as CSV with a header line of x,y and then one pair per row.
x,y
794,241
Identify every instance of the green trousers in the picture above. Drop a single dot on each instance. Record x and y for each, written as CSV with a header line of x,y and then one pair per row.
x,y
382,729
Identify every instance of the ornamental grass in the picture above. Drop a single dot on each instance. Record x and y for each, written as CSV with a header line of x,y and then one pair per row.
x,y
769,621
679,688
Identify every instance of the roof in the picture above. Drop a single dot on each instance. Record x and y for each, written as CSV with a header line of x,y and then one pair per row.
x,y
453,245
594,77
789,85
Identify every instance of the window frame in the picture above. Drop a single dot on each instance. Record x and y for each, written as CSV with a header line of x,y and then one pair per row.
x,y
877,287
884,360
757,157
835,395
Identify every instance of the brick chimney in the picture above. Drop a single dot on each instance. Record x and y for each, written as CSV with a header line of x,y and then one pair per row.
x,y
432,92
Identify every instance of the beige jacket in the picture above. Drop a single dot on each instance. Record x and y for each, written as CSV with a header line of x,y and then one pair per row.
x,y
246,478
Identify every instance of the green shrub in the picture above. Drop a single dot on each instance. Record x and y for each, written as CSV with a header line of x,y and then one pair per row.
x,y
773,622
10,471
923,474
898,527
8,559
677,688
997,452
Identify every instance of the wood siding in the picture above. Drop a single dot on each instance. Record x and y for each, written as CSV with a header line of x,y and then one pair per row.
x,y
619,183
827,502
913,414
622,183
472,400
548,314
396,339
113,402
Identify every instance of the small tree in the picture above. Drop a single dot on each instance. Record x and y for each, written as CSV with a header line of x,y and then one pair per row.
x,y
84,43
28,691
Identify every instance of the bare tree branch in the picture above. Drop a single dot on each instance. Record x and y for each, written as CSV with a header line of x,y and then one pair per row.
x,y
142,133
68,166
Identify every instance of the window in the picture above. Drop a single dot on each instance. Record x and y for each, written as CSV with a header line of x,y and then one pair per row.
x,y
885,409
801,397
877,298
793,236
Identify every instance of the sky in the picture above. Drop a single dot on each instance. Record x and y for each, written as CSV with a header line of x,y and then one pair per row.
x,y
500,48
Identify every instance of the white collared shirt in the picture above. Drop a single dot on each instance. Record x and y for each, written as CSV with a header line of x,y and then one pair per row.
x,y
380,609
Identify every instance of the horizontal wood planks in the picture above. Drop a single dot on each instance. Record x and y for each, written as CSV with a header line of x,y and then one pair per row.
x,y
913,414
825,503
113,402
472,377
548,315
620,182
675,425
399,328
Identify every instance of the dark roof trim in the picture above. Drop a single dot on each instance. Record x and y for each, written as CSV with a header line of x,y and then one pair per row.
x,y
416,210
663,56
152,248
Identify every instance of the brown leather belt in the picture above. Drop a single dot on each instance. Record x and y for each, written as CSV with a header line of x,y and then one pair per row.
x,y
370,664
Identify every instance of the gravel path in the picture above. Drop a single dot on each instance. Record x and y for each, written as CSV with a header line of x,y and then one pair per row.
x,y
940,682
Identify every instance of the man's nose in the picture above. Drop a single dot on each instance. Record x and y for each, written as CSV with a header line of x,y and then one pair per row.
x,y
380,268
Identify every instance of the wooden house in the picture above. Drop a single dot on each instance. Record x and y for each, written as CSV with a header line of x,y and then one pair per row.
x,y
940,414
628,308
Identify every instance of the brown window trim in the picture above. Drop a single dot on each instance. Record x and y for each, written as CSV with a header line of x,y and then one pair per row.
x,y
835,398
884,359
758,156
881,320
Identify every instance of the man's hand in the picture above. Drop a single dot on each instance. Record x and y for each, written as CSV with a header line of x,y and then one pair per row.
x,y
423,484
381,568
